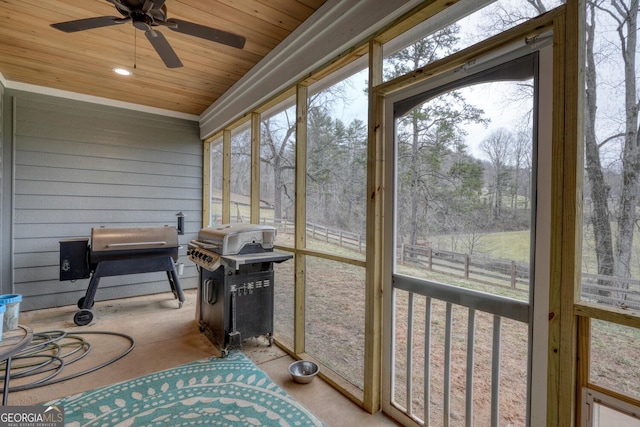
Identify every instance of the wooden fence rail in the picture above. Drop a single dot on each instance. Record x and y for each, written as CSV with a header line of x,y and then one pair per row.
x,y
471,267
607,290
342,238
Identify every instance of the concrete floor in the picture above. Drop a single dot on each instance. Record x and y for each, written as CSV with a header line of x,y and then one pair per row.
x,y
166,337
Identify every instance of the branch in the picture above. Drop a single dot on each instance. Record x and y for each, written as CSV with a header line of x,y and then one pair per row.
x,y
608,12
611,138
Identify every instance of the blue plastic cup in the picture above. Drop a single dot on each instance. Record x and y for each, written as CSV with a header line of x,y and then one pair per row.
x,y
12,311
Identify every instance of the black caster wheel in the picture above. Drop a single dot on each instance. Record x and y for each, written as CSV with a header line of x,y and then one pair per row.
x,y
270,338
81,304
224,353
83,317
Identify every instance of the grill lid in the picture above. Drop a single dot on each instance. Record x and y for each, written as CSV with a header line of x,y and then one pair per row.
x,y
105,239
230,239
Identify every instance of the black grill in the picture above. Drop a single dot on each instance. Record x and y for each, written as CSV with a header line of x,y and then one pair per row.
x,y
236,291
116,252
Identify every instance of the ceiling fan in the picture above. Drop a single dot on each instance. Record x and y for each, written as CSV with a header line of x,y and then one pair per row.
x,y
146,14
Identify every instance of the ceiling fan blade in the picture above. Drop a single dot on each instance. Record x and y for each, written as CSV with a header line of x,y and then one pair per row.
x,y
207,33
164,49
88,24
152,4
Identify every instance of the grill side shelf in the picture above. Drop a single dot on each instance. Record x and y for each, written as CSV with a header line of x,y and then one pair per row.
x,y
235,261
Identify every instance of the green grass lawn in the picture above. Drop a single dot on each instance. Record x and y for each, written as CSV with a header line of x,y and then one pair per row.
x,y
512,245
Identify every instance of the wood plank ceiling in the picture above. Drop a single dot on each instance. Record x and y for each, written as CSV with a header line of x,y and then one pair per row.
x,y
32,52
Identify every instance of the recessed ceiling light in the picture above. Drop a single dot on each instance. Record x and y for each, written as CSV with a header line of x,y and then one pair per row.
x,y
122,71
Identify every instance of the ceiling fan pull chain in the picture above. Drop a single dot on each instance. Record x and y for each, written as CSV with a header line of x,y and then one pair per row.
x,y
135,49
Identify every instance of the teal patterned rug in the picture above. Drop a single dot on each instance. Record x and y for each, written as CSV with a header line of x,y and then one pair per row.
x,y
212,392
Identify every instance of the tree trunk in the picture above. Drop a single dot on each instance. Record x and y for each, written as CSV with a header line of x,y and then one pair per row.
x,y
631,157
415,183
277,187
599,189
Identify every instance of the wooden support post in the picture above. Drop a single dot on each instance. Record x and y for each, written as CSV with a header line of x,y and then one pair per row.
x,y
566,229
255,169
374,245
300,231
226,176
206,184
584,363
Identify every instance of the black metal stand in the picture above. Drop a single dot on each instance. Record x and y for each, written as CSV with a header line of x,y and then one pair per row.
x,y
121,267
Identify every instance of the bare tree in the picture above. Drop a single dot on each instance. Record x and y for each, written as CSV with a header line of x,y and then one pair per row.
x,y
521,153
241,163
277,152
498,149
277,147
614,258
593,165
611,41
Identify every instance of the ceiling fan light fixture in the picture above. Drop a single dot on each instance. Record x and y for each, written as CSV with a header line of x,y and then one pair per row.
x,y
122,71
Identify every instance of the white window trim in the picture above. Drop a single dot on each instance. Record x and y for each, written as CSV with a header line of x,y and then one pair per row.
x,y
591,397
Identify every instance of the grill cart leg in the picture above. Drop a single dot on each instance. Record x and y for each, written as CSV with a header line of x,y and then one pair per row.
x,y
88,300
85,315
235,341
174,282
119,267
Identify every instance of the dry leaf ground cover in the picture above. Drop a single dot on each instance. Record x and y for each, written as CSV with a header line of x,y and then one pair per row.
x,y
334,311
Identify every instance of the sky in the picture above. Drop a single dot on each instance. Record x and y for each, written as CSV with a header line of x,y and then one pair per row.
x,y
496,99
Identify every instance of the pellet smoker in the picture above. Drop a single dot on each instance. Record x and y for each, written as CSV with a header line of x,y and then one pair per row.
x,y
115,252
236,289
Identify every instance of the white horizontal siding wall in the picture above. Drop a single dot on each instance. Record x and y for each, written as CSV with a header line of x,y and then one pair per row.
x,y
80,165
